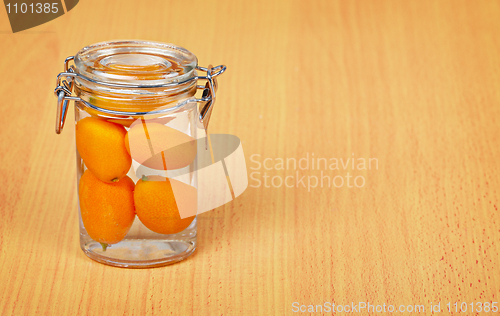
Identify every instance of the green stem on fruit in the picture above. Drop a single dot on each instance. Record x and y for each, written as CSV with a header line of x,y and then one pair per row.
x,y
144,178
104,246
115,180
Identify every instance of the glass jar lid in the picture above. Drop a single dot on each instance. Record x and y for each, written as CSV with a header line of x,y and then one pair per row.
x,y
131,78
138,63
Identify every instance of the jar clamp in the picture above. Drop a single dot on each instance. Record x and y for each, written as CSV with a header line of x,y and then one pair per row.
x,y
65,83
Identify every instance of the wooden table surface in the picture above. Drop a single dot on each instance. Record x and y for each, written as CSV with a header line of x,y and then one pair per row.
x,y
414,85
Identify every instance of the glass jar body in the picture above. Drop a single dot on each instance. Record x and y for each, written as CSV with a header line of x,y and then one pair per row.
x,y
105,207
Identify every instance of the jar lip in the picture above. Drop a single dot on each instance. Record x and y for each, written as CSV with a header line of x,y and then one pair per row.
x,y
136,63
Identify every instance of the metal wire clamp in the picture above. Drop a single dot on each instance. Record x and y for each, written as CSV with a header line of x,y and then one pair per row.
x,y
65,83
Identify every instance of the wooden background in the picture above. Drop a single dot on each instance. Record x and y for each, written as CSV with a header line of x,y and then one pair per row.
x,y
415,84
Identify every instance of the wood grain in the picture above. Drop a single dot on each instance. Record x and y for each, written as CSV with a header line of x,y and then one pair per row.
x,y
414,84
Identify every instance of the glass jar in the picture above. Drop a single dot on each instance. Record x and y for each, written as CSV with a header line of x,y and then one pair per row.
x,y
137,122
